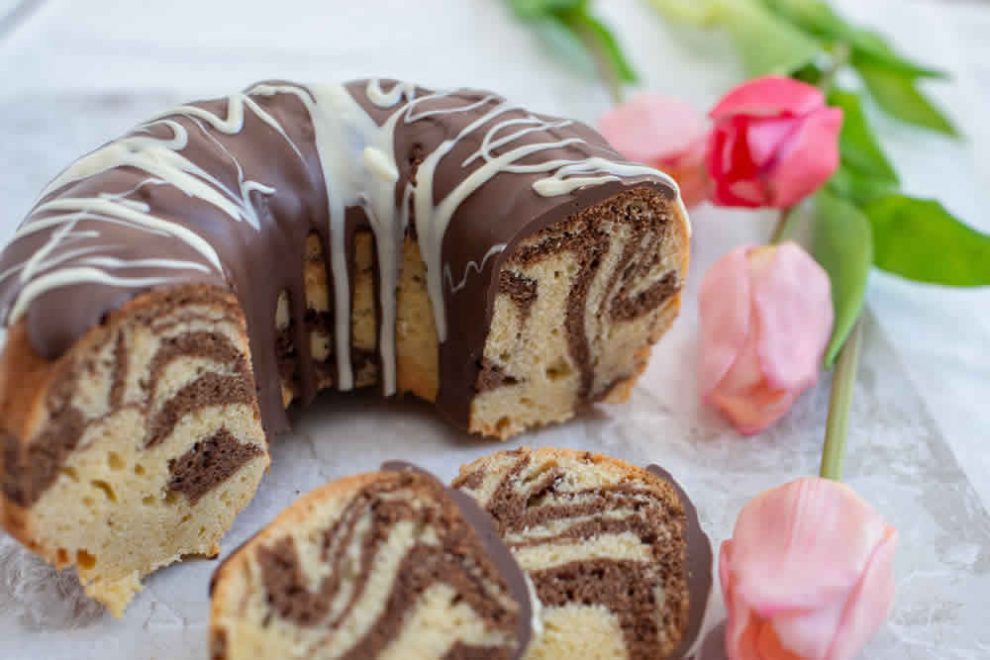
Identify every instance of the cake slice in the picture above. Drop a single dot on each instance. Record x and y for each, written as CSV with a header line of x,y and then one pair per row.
x,y
146,441
615,552
389,564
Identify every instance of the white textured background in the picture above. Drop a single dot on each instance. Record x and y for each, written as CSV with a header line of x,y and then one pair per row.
x,y
74,73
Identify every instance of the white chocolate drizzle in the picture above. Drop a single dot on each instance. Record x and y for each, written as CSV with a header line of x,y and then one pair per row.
x,y
473,268
382,99
359,169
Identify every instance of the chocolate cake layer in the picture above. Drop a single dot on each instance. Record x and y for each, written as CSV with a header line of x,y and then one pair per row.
x,y
209,463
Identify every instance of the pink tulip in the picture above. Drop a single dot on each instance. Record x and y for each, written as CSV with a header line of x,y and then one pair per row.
x,y
808,573
766,317
775,142
666,133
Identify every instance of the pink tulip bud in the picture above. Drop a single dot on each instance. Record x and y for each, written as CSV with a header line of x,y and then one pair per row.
x,y
666,133
766,317
775,142
808,573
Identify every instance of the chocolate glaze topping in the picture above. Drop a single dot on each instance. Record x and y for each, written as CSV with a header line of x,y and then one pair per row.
x,y
224,192
699,564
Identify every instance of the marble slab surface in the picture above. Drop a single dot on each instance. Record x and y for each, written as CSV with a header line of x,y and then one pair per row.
x,y
897,458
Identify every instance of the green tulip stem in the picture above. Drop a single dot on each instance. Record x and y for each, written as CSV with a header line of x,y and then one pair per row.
x,y
611,80
786,226
606,71
841,55
844,376
837,424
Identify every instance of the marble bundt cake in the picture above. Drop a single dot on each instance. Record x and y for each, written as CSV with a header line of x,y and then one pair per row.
x,y
615,552
174,290
384,565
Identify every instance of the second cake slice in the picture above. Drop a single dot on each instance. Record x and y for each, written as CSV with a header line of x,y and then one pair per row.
x,y
615,552
389,564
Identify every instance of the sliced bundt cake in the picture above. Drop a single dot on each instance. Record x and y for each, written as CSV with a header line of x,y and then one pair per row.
x,y
174,290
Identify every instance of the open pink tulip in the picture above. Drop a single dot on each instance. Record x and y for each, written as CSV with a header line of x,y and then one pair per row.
x,y
766,317
775,142
808,573
666,133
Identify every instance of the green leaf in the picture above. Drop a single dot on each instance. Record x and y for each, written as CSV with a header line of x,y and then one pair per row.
x,y
529,9
811,16
767,43
858,187
899,96
704,13
920,240
859,146
577,37
865,172
565,45
872,48
818,18
606,41
810,73
843,245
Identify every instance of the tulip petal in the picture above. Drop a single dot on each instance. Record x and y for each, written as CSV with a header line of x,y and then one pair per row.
x,y
869,605
760,348
802,545
739,635
746,636
808,573
724,309
769,96
725,566
765,137
838,630
750,194
792,308
809,633
808,159
769,645
690,171
652,128
744,398
692,178
774,143
731,167
666,133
